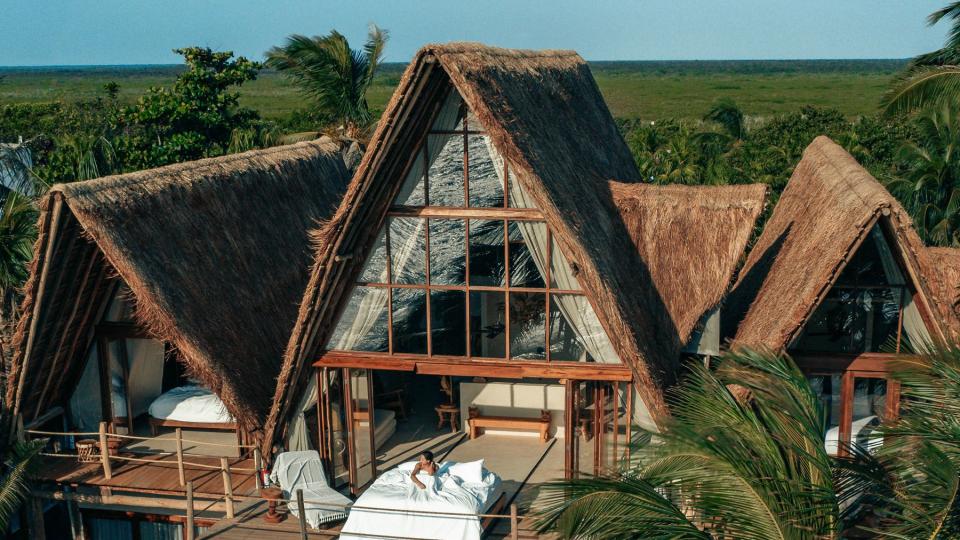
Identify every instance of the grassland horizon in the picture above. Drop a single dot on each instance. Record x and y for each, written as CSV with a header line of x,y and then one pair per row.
x,y
648,90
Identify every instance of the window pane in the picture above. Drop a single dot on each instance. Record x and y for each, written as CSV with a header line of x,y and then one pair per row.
x,y
408,250
853,321
448,252
487,265
486,186
363,324
448,322
409,321
572,318
413,193
561,274
523,266
528,326
885,319
827,388
487,324
375,269
869,407
446,170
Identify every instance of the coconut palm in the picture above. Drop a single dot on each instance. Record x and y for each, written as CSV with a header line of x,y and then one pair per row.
x,y
929,187
721,468
726,113
19,466
931,78
334,75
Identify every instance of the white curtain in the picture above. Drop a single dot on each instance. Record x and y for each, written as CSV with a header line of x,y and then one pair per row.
x,y
575,308
349,333
913,326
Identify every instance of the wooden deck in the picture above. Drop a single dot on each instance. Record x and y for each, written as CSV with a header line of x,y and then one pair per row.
x,y
160,476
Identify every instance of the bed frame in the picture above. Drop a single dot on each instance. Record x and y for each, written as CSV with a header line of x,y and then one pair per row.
x,y
156,423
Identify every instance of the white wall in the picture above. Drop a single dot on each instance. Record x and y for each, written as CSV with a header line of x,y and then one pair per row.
x,y
517,399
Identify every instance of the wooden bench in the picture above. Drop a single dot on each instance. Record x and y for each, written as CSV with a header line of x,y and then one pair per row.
x,y
477,421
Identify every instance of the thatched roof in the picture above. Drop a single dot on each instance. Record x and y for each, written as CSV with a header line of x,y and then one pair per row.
x,y
215,252
546,117
944,280
825,212
692,239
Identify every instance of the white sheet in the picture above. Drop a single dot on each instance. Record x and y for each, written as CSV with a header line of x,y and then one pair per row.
x,y
190,404
304,470
445,493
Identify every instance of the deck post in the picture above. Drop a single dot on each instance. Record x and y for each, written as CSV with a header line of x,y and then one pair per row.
x,y
302,518
183,480
227,486
514,524
105,452
189,527
257,464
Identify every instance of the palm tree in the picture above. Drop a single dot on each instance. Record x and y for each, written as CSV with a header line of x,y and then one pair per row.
x,y
726,113
722,468
334,75
19,466
930,186
933,77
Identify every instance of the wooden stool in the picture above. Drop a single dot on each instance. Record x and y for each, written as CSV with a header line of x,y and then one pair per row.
x,y
271,495
87,451
447,413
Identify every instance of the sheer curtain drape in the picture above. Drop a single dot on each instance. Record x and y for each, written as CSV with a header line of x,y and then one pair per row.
x,y
913,326
575,308
374,302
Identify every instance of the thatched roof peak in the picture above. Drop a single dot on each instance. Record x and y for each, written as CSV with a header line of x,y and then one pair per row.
x,y
216,253
825,212
943,277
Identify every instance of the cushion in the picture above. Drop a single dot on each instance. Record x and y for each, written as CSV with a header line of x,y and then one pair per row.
x,y
470,472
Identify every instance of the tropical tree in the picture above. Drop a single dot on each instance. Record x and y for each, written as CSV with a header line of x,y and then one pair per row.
x,y
931,78
723,467
19,465
728,115
335,76
929,185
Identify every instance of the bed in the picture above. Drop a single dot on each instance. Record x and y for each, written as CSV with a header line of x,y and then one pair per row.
x,y
864,433
191,406
387,507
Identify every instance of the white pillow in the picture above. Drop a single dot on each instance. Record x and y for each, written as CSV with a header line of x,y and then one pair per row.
x,y
470,472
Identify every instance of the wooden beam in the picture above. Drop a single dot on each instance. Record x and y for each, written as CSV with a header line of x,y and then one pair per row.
x,y
467,370
513,214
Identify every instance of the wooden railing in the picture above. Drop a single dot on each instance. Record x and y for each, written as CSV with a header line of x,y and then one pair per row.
x,y
104,457
513,517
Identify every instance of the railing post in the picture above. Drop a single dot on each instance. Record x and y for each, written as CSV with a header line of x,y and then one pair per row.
x,y
190,528
257,465
302,517
105,452
180,456
514,525
227,486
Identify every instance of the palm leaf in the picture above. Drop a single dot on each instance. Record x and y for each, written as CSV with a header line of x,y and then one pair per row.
x,y
21,465
922,87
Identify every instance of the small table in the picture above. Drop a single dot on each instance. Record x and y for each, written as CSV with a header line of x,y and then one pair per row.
x,y
447,413
271,495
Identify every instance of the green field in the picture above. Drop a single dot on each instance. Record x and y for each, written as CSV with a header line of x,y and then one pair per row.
x,y
647,90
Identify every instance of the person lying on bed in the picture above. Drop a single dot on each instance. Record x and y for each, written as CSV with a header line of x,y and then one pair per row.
x,y
425,464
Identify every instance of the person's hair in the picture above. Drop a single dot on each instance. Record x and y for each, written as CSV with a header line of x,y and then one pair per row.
x,y
427,454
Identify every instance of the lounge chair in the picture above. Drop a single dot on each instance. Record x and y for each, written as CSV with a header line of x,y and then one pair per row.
x,y
304,470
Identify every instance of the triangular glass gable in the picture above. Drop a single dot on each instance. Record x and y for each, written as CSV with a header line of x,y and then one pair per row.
x,y
459,286
868,308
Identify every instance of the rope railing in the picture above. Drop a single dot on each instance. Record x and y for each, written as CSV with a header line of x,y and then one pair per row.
x,y
131,437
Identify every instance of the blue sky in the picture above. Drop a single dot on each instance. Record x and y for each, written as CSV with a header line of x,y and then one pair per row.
x,y
59,32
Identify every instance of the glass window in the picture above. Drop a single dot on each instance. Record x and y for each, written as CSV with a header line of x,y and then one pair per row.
x,y
487,264
869,408
408,250
528,325
409,321
827,388
487,324
375,269
448,323
523,263
363,324
486,186
446,171
448,252
854,320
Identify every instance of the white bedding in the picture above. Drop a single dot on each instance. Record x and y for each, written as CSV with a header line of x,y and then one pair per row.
x,y
864,433
394,490
190,404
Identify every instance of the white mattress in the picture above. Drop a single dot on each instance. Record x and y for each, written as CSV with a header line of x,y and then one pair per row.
x,y
190,404
395,492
